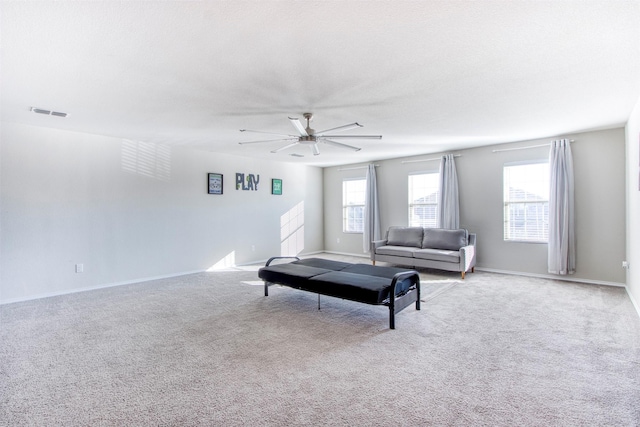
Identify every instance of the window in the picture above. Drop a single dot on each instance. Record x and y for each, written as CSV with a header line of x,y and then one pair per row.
x,y
526,202
353,205
423,199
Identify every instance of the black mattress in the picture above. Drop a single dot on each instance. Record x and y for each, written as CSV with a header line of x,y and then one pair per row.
x,y
358,282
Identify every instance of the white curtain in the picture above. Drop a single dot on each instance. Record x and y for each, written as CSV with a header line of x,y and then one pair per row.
x,y
448,204
562,247
371,229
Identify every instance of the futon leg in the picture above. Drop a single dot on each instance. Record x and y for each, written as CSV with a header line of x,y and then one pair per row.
x,y
392,312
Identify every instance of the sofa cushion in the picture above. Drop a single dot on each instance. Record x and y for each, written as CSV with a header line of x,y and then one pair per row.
x,y
437,255
403,251
441,238
405,236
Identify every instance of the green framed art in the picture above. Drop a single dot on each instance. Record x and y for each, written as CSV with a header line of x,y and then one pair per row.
x,y
276,187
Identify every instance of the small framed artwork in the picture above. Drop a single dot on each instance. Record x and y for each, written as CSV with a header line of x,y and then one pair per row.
x,y
214,183
276,187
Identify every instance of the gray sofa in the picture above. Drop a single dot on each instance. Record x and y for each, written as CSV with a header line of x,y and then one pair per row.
x,y
452,250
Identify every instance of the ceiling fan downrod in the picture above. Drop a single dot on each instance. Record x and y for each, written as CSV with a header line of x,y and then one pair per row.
x,y
309,117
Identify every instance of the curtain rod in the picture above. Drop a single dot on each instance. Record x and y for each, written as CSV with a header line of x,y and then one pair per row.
x,y
427,160
524,148
354,168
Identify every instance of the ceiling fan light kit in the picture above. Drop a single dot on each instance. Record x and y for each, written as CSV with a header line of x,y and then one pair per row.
x,y
308,136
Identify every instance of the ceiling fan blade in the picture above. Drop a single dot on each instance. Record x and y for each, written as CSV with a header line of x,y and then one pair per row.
x,y
268,140
315,149
285,147
270,133
353,136
296,124
339,144
341,128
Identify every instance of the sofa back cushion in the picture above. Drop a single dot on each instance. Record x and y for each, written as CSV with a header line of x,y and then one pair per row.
x,y
405,236
441,238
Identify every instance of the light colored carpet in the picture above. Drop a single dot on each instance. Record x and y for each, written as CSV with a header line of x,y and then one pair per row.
x,y
210,349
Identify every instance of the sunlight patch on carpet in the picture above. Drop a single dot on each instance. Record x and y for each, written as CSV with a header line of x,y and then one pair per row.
x,y
253,282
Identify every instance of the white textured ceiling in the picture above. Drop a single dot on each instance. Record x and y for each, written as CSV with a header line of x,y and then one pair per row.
x,y
429,76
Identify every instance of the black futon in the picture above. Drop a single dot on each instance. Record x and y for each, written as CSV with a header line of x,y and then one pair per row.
x,y
394,287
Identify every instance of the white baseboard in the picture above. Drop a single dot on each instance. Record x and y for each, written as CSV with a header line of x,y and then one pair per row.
x,y
146,279
126,282
516,273
553,277
96,287
348,254
633,301
311,253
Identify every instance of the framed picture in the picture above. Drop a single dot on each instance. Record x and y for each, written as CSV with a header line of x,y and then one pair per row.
x,y
214,183
276,187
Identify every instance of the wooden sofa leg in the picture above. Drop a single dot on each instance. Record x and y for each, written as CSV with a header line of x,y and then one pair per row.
x,y
463,275
473,269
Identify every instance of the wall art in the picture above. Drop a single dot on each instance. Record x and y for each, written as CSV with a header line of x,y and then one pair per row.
x,y
276,186
214,183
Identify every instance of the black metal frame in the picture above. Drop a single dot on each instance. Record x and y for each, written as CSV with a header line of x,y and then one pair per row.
x,y
396,303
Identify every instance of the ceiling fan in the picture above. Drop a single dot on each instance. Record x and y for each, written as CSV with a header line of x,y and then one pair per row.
x,y
310,137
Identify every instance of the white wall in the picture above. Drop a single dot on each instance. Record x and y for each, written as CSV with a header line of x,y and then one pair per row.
x,y
130,211
600,199
633,205
70,198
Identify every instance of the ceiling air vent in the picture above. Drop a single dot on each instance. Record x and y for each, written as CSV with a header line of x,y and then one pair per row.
x,y
48,112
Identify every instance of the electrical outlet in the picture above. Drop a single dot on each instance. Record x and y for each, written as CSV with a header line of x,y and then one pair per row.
x,y
625,264
338,240
79,268
253,248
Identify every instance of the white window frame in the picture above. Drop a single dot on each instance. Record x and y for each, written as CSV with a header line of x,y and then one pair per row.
x,y
532,205
412,220
353,193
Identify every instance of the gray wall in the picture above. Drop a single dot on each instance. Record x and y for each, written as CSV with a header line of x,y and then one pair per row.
x,y
71,198
129,211
599,159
